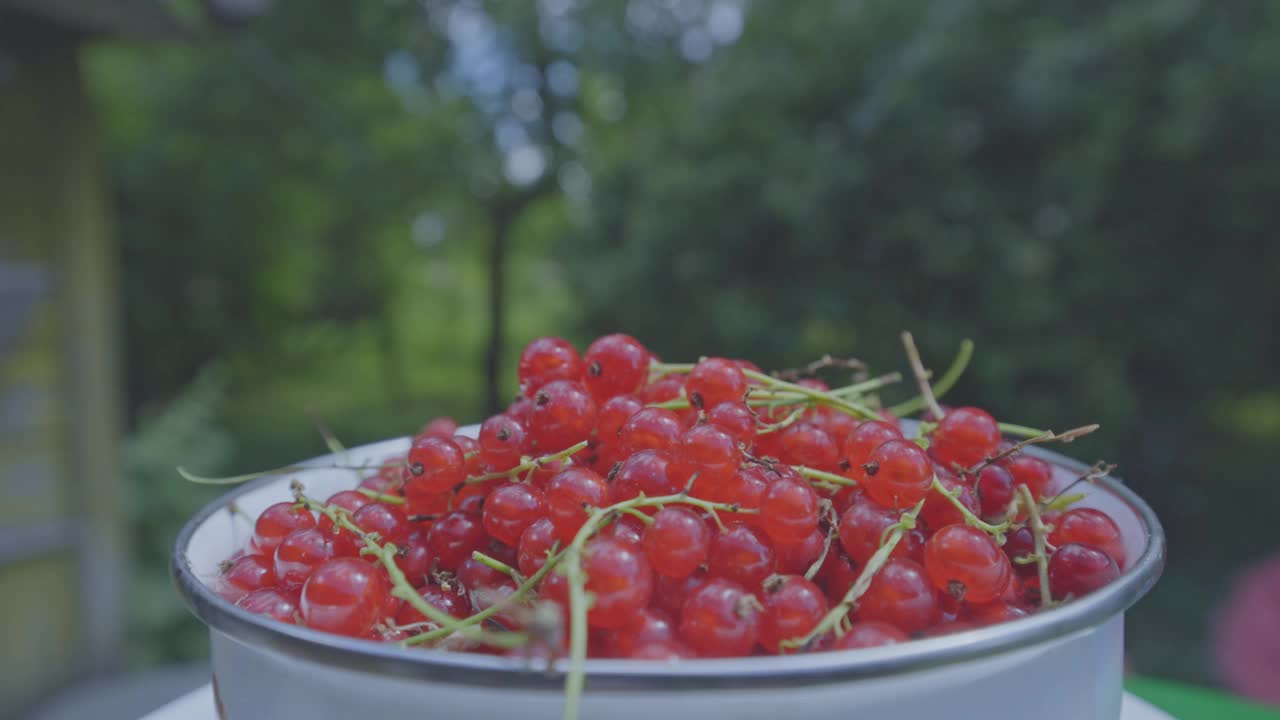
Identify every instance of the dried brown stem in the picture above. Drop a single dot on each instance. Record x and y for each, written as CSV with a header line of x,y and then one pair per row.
x,y
922,375
1049,436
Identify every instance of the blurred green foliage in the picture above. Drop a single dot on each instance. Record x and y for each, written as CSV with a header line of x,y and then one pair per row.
x,y
313,203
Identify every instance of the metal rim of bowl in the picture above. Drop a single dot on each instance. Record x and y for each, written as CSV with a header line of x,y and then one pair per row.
x,y
630,675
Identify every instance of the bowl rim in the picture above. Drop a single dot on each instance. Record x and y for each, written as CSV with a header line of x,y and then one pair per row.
x,y
471,669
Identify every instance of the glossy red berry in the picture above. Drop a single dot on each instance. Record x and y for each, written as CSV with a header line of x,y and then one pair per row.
x,y
938,511
713,381
898,474
619,578
1033,472
544,360
864,438
837,574
965,437
746,489
344,596
805,443
869,633
1090,527
278,521
995,491
348,500
1076,570
442,427
563,414
792,607
862,527
651,472
720,618
663,389
901,595
626,529
615,365
454,537
273,603
248,573
669,593
677,542
475,575
650,625
510,509
387,521
710,452
298,555
415,561
1020,543
789,511
534,545
571,496
743,554
502,442
613,414
662,650
966,563
796,558
435,466
736,419
650,429
450,602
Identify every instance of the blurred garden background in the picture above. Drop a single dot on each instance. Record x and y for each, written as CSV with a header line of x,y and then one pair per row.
x,y
360,211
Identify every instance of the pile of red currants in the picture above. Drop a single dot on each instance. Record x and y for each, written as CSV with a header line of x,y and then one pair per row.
x,y
623,507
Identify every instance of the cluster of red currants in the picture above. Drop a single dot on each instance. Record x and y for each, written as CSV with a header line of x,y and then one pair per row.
x,y
712,511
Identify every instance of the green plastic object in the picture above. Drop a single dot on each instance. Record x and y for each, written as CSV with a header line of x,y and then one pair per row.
x,y
1187,702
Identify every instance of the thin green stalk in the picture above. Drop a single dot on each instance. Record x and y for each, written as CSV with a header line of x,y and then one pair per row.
x,y
824,476
944,384
529,464
1021,430
997,530
381,497
496,564
1038,532
823,398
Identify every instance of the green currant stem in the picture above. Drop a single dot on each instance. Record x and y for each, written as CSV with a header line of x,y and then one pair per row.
x,y
496,564
874,563
858,389
237,479
530,464
516,596
657,370
637,515
944,384
578,599
823,398
1038,532
833,527
997,530
781,424
1062,502
381,497
1021,430
824,476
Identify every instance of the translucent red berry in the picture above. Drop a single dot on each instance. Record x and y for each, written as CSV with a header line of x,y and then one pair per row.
x,y
415,560
1090,527
805,443
248,573
1076,570
650,472
502,442
792,607
677,542
938,511
669,593
742,554
534,545
713,381
869,633
620,580
454,537
442,427
736,419
966,563
663,389
435,466
795,558
344,596
862,528
562,415
867,436
278,521
710,452
544,360
965,437
650,625
789,511
510,509
273,603
615,365
898,474
387,521
995,491
447,601
720,618
1033,472
613,414
901,595
298,555
650,429
572,494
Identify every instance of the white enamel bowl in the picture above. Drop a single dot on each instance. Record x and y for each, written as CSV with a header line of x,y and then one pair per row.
x,y
1062,664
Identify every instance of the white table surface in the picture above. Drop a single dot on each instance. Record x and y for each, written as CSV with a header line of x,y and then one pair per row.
x,y
198,705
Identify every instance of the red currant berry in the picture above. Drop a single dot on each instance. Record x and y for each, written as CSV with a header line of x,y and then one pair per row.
x,y
1076,570
720,619
869,633
501,442
619,578
648,626
1088,526
454,537
435,466
663,389
519,410
247,574
792,607
864,525
273,603
613,414
475,575
448,602
714,381
626,529
615,365
387,521
344,596
677,542
940,512
836,575
742,554
1020,545
867,436
544,360
650,429
415,561
441,427
789,511
710,452
900,594
966,436
535,543
746,489
511,509
995,491
278,521
664,650
669,593
348,500
650,472
795,558
898,474
1033,472
966,563
298,555
807,444
736,419
571,496
563,414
